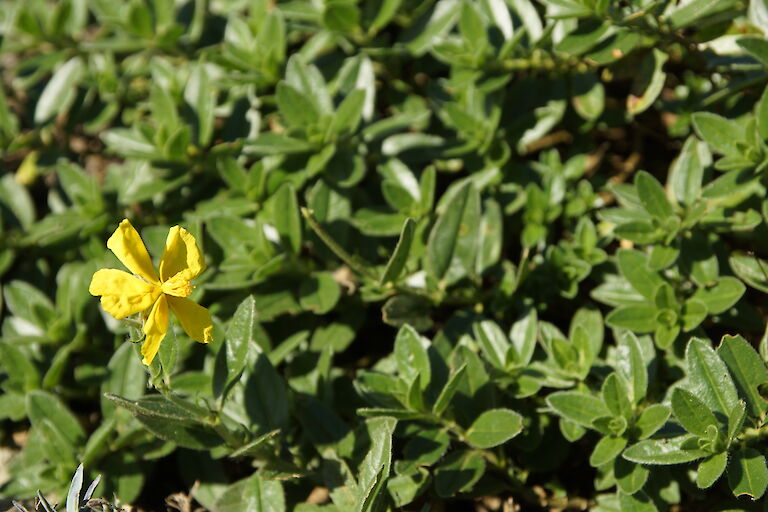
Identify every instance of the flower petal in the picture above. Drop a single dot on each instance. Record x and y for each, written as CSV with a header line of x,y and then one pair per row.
x,y
155,328
121,293
194,318
181,256
126,243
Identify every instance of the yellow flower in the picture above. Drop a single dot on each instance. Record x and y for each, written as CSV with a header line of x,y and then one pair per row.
x,y
123,294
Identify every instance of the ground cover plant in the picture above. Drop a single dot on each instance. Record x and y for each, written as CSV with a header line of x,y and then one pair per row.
x,y
441,254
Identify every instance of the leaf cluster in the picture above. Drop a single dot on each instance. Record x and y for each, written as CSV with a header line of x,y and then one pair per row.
x,y
455,249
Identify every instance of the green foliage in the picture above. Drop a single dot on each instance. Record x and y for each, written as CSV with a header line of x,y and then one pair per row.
x,y
77,501
454,248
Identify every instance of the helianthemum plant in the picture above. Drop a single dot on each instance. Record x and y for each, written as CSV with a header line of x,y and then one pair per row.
x,y
123,294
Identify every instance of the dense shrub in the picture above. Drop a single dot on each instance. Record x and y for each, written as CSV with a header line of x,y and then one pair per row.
x,y
488,253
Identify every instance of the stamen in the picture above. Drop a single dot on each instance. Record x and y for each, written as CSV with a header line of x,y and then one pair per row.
x,y
178,288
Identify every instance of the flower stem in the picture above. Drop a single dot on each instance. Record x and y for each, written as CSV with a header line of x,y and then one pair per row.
x,y
338,250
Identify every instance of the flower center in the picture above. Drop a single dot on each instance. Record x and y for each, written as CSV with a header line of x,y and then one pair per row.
x,y
180,288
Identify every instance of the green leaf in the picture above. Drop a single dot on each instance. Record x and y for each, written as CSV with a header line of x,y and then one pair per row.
x,y
736,420
255,446
652,196
319,293
747,369
761,114
638,502
139,20
414,398
494,427
639,318
427,189
571,431
75,486
747,473
43,406
692,413
60,90
577,407
616,396
564,354
163,106
449,390
458,472
698,259
9,123
751,270
666,331
731,187
472,26
170,408
411,356
590,321
266,399
19,369
721,134
452,243
17,198
687,171
708,377
252,493
631,365
562,9
630,477
275,144
606,449
648,82
28,303
399,257
287,217
308,80
175,147
423,448
127,377
399,414
322,425
240,336
403,487
374,471
295,107
522,336
662,451
588,95
757,47
400,188
694,312
387,9
81,188
129,142
582,39
493,342
408,309
349,113
200,94
651,420
491,232
639,232
693,12
167,355
633,265
710,469
378,223
720,297
341,16
431,28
